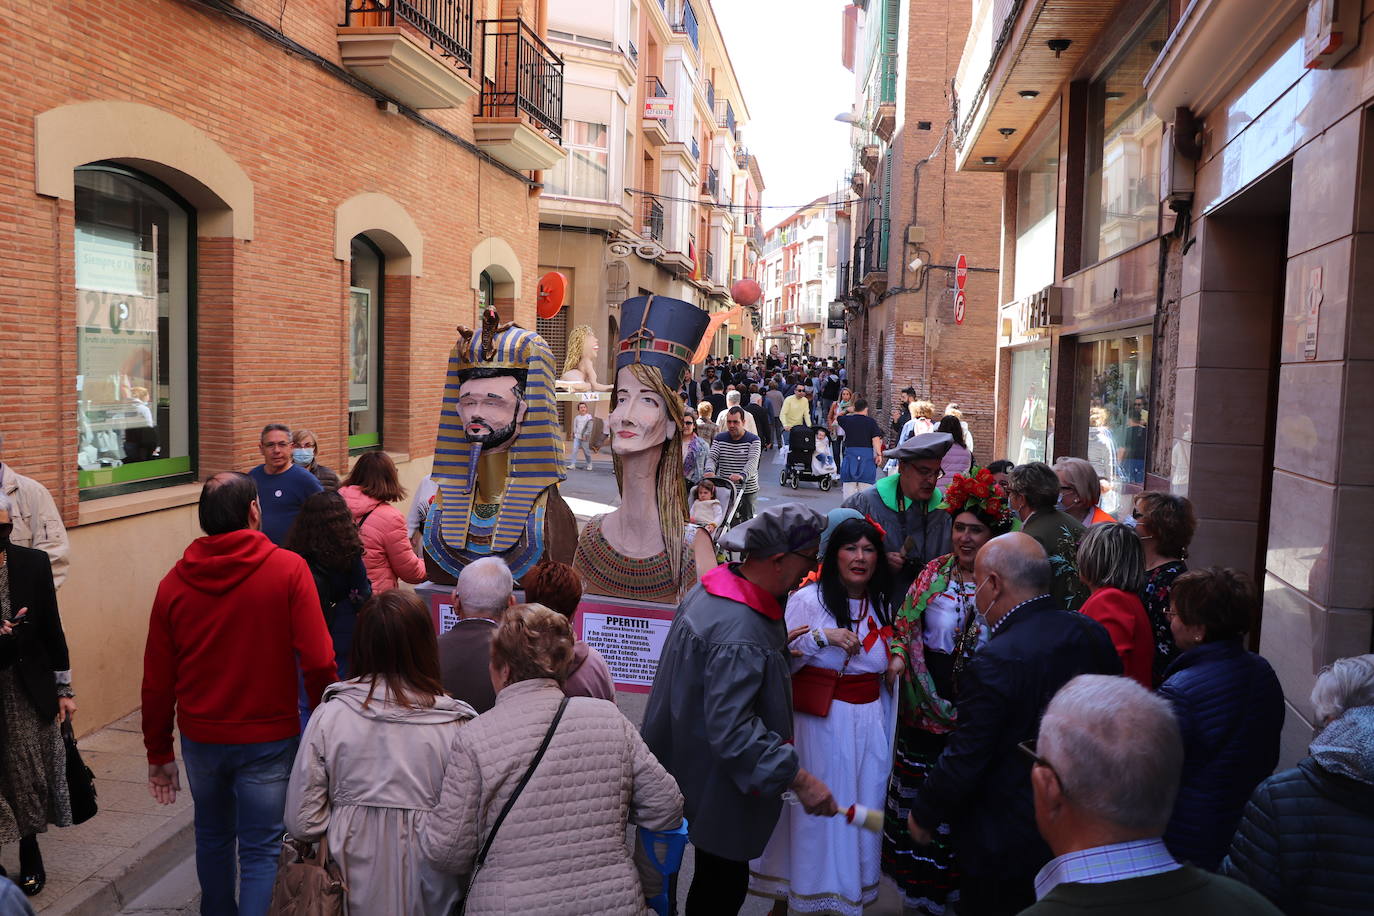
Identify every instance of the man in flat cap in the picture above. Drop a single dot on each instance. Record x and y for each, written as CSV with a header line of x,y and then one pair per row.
x,y
910,508
719,717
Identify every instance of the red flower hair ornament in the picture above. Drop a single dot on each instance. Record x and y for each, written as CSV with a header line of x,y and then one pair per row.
x,y
979,493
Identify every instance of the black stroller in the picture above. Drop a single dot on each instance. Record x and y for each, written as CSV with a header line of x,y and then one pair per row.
x,y
801,452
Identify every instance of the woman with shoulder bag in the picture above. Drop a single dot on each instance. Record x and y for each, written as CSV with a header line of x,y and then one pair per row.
x,y
539,773
842,726
372,760
35,699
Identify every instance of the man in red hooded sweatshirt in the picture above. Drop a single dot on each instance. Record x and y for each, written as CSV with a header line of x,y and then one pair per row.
x,y
227,627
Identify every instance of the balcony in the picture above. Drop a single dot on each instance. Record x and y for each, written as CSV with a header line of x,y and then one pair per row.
x,y
725,115
413,50
842,281
870,255
869,157
686,24
521,120
857,181
885,113
710,185
656,114
708,268
652,227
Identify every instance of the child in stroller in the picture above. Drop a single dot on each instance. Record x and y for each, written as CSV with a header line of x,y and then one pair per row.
x,y
804,461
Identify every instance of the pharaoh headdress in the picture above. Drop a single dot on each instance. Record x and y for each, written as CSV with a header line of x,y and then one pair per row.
x,y
535,452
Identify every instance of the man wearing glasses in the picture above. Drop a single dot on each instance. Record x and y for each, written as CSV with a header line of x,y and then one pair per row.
x,y
908,507
282,486
980,785
719,717
1105,771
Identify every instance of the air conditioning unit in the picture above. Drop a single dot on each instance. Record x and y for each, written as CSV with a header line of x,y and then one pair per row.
x,y
649,250
620,249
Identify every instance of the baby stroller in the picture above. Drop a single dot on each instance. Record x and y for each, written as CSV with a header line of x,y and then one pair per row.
x,y
801,460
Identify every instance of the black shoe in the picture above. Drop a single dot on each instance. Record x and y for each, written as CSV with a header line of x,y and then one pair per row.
x,y
32,876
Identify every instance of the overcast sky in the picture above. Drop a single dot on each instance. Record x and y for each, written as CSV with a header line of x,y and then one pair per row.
x,y
787,59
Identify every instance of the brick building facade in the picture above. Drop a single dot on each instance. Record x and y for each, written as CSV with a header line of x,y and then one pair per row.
x,y
913,205
230,214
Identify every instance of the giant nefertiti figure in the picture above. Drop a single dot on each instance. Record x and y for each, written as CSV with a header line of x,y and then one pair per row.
x,y
645,550
498,456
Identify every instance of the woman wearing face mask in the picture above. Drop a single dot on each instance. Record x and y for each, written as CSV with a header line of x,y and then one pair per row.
x,y
842,728
35,698
645,549
305,451
936,631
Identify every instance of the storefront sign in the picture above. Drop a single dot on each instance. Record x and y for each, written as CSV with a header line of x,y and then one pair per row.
x,y
629,637
658,108
835,320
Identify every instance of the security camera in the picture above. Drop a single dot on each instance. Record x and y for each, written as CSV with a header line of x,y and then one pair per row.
x,y
916,264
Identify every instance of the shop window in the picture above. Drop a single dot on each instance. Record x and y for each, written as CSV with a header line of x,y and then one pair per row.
x,y
583,172
1037,194
134,256
366,271
1112,398
1028,400
1121,193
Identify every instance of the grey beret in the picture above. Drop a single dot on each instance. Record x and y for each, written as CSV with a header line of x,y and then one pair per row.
x,y
779,529
926,445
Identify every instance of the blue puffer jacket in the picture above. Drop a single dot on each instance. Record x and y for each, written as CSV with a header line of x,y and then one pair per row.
x,y
1307,838
1230,711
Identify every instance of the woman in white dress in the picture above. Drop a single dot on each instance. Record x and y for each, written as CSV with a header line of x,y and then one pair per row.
x,y
825,865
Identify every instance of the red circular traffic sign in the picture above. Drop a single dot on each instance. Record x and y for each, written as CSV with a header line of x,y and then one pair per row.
x,y
960,307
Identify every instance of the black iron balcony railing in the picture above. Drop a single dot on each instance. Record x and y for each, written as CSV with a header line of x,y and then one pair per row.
x,y
708,267
655,89
710,95
687,23
447,24
696,149
725,115
653,219
527,76
711,185
870,250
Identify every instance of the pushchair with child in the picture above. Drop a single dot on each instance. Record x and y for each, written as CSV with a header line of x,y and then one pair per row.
x,y
805,461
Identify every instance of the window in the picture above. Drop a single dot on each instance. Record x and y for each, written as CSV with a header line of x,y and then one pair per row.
x,y
1121,194
134,251
1112,398
365,345
1028,405
583,172
1037,193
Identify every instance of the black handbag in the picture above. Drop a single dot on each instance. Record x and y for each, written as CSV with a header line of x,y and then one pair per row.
x,y
80,780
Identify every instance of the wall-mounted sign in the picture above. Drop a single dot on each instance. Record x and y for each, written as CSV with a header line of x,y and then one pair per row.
x,y
960,307
835,320
1314,313
658,107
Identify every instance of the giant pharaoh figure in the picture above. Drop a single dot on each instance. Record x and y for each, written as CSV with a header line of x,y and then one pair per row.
x,y
498,456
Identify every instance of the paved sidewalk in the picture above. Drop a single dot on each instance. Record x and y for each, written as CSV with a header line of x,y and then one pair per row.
x,y
100,866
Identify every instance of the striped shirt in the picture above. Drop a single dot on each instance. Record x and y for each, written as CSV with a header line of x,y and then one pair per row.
x,y
738,456
1104,864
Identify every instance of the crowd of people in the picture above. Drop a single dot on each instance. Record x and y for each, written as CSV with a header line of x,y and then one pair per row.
x,y
971,683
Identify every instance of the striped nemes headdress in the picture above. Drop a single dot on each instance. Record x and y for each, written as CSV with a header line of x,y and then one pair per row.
x,y
535,452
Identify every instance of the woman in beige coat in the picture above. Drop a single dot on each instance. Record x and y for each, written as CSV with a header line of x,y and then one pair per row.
x,y
561,851
372,760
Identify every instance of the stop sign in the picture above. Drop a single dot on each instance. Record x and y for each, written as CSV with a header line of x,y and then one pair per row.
x,y
960,272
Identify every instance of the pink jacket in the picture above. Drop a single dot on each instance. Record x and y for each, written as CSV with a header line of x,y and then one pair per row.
x,y
386,549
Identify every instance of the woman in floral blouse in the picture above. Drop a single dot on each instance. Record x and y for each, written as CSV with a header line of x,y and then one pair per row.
x,y
935,632
1165,524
